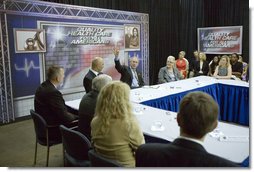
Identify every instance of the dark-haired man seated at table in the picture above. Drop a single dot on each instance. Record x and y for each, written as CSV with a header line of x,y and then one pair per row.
x,y
49,102
197,116
237,67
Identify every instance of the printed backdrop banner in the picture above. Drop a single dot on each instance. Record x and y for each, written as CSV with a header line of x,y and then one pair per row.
x,y
74,45
220,40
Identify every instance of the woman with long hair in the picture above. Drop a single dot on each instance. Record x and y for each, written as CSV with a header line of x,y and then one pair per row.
x,y
134,40
115,131
201,67
223,70
213,64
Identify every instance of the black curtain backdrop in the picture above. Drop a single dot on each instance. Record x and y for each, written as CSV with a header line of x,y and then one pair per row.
x,y
173,23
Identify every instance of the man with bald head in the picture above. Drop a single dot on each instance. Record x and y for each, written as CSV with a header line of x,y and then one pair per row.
x,y
129,74
96,68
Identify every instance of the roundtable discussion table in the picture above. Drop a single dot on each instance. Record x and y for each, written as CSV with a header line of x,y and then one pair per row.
x,y
157,105
230,141
231,95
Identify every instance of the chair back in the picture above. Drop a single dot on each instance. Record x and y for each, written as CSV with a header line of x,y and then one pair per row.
x,y
75,144
46,135
40,125
99,161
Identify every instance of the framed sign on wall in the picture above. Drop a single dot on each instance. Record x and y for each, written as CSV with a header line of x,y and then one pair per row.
x,y
29,40
220,40
132,37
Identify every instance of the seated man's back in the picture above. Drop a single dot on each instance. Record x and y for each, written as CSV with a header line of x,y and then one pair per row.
x,y
49,102
88,104
197,116
179,153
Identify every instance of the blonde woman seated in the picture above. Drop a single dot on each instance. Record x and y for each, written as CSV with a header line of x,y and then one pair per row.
x,y
201,67
114,129
223,70
169,72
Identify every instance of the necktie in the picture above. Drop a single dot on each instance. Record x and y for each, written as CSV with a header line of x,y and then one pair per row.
x,y
135,79
135,73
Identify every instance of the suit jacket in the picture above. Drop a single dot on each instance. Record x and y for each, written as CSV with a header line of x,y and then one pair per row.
x,y
86,112
205,68
179,153
164,77
237,67
49,103
126,74
87,81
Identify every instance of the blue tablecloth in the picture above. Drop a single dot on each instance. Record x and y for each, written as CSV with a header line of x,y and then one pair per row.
x,y
246,162
233,101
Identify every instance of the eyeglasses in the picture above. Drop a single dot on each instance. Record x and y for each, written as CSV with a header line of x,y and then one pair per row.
x,y
170,62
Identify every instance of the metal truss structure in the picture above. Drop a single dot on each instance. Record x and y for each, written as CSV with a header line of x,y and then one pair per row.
x,y
54,10
6,98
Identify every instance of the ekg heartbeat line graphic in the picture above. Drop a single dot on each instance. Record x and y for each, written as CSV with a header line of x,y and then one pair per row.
x,y
27,67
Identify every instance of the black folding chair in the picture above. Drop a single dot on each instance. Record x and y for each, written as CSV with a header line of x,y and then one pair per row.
x,y
99,161
42,132
76,147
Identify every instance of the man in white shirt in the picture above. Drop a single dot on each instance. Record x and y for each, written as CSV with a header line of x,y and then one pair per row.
x,y
96,68
129,74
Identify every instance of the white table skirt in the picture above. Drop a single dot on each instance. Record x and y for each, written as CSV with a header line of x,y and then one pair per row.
x,y
236,148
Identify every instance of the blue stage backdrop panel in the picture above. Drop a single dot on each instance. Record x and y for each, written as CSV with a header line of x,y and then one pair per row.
x,y
25,66
71,44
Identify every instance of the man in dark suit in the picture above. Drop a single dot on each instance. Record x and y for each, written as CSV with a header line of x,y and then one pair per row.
x,y
237,67
197,116
96,68
192,63
49,102
88,104
129,74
